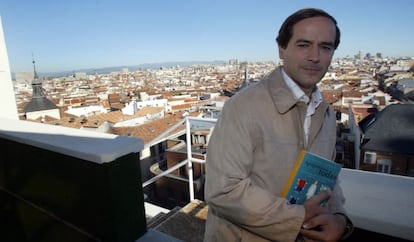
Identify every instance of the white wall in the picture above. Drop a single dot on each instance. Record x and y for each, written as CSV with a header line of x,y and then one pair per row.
x,y
7,98
54,113
379,202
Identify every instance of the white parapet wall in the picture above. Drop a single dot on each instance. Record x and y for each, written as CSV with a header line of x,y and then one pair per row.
x,y
7,98
87,145
379,202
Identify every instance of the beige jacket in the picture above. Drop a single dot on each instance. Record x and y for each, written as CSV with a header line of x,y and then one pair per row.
x,y
251,152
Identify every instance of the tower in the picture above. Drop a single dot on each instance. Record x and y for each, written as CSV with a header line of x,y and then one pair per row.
x,y
40,106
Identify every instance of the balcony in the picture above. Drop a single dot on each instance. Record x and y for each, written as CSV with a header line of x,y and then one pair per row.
x,y
61,184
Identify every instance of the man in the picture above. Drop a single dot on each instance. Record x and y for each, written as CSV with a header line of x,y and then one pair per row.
x,y
259,135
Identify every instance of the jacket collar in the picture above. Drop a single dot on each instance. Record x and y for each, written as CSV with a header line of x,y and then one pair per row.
x,y
281,95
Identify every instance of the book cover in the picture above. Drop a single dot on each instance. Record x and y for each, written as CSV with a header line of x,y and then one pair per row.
x,y
310,175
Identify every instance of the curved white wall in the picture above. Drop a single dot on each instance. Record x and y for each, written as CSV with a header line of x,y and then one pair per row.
x,y
7,98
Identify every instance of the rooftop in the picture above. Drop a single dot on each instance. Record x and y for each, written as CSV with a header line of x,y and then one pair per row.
x,y
379,204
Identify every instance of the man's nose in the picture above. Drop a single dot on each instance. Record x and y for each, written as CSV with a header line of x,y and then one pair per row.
x,y
314,53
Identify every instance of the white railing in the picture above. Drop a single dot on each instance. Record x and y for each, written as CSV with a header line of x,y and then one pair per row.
x,y
190,159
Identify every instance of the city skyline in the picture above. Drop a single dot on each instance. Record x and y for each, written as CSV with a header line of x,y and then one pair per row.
x,y
69,35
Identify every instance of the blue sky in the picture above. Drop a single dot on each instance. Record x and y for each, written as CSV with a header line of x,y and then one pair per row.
x,y
73,34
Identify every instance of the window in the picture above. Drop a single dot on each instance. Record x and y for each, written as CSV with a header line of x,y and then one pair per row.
x,y
384,166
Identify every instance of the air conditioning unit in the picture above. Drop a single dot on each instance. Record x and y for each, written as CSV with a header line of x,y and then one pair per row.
x,y
370,157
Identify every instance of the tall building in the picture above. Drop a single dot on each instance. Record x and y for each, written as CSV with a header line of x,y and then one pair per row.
x,y
379,55
360,56
7,98
233,62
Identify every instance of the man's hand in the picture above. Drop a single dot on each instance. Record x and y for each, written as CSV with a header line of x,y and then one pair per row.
x,y
320,224
330,227
313,205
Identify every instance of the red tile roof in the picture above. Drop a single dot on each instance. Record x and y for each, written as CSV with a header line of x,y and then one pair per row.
x,y
151,130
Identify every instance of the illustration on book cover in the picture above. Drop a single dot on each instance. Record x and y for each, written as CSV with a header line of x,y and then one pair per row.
x,y
310,191
310,175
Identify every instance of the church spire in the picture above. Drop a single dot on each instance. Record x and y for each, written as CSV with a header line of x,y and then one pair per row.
x,y
39,100
36,83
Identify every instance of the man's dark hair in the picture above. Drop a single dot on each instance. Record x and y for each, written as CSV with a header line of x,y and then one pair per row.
x,y
286,30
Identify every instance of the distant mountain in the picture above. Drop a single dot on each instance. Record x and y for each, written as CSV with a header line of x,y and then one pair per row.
x,y
105,70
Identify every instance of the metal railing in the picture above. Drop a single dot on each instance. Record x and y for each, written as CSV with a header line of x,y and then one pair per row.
x,y
190,159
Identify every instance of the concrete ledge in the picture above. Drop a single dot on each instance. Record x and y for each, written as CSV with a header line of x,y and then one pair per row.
x,y
87,145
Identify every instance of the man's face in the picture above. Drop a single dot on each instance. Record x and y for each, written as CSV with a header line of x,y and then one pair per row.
x,y
309,52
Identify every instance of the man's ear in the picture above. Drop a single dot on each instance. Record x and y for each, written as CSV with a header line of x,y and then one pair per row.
x,y
281,52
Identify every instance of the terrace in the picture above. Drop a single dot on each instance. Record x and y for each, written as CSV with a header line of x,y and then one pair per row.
x,y
66,184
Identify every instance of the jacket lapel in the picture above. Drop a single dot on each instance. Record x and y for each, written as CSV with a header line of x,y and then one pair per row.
x,y
283,100
317,121
281,95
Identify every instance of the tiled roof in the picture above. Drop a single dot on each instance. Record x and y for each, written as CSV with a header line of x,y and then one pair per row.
x,y
117,116
118,106
39,104
149,110
151,130
332,96
112,117
352,93
75,122
181,106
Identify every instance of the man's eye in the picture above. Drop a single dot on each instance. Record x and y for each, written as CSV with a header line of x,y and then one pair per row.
x,y
327,47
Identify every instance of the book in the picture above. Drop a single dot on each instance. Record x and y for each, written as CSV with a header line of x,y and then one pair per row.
x,y
310,175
